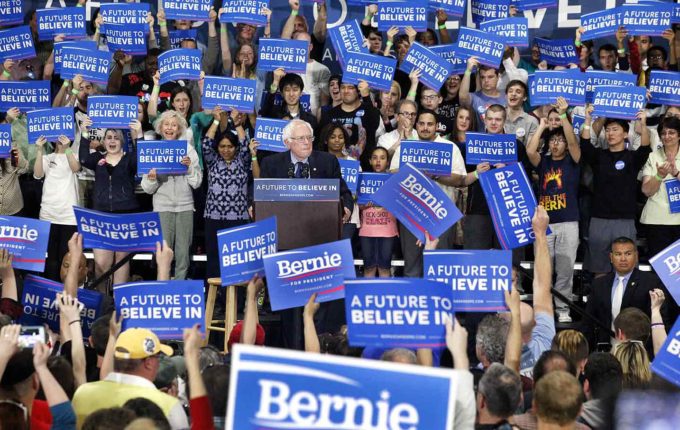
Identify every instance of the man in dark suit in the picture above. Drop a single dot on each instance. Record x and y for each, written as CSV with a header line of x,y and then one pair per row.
x,y
301,162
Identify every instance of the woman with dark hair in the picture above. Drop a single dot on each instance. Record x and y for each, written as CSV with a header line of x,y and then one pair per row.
x,y
464,121
450,101
11,168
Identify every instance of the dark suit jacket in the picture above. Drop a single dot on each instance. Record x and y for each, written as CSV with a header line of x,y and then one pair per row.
x,y
322,165
599,304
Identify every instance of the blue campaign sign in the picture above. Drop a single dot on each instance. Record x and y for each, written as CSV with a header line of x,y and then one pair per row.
x,y
434,158
600,24
293,190
577,122
646,19
305,101
16,43
25,95
92,64
484,10
130,38
478,279
179,64
124,14
665,87
233,93
164,307
50,123
376,70
619,102
347,38
268,385
667,361
673,191
512,204
5,140
11,12
448,52
69,21
293,276
453,8
487,47
194,10
177,36
417,202
547,85
242,250
523,5
434,70
350,173
39,302
112,111
402,13
675,17
269,134
244,11
557,52
163,155
26,239
290,55
369,184
595,78
59,47
119,232
492,148
514,31
666,264
397,313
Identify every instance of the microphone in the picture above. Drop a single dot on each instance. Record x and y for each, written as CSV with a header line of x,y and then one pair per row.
x,y
305,171
291,171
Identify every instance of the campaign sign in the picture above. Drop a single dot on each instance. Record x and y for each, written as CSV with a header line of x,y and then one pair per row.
x,y
69,21
619,102
25,95
130,38
269,134
485,10
645,20
292,190
667,361
453,8
369,184
112,111
577,122
417,202
124,14
350,173
557,52
448,52
479,279
523,5
91,64
290,55
39,302
487,47
119,232
164,307
269,386
433,158
666,264
5,140
600,24
26,239
548,85
514,31
180,64
492,148
11,12
675,17
194,10
16,43
397,313
347,38
50,123
236,93
59,47
402,13
243,248
305,101
673,191
244,11
376,70
595,78
177,36
293,276
163,155
434,70
665,87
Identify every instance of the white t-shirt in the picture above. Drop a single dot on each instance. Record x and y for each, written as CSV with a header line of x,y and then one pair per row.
x,y
316,83
60,190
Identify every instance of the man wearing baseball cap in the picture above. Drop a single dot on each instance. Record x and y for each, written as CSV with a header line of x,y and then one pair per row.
x,y
137,356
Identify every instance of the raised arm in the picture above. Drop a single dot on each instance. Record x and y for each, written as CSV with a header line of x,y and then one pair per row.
x,y
251,317
227,61
54,394
572,142
311,337
513,344
444,36
115,325
532,146
287,31
9,344
464,93
210,56
9,282
321,23
69,313
657,298
75,251
164,256
152,106
542,266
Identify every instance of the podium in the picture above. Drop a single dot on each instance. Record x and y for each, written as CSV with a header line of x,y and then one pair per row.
x,y
308,211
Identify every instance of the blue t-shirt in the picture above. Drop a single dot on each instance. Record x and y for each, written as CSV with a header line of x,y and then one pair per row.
x,y
558,188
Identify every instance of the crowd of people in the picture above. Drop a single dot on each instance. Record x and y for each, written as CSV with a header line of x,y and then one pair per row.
x,y
600,190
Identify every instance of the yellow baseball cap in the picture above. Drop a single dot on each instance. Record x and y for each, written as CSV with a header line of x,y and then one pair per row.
x,y
139,343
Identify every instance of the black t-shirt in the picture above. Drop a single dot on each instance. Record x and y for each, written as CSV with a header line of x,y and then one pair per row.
x,y
444,125
135,84
449,108
558,188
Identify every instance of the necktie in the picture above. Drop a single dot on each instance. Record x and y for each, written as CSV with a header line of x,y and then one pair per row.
x,y
298,169
617,299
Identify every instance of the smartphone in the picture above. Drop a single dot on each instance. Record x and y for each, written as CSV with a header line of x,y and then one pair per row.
x,y
32,334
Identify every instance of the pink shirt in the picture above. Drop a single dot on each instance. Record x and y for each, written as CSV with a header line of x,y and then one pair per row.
x,y
377,222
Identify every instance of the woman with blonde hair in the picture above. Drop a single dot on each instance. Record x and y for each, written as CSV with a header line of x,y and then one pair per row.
x,y
574,345
635,363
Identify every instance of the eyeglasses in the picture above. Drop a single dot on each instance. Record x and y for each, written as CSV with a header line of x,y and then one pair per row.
x,y
301,139
408,114
18,405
